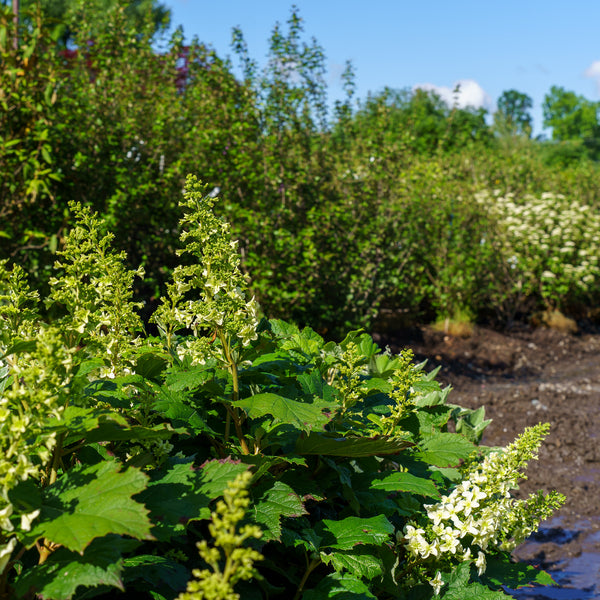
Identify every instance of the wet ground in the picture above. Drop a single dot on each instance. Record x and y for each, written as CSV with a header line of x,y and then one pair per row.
x,y
523,377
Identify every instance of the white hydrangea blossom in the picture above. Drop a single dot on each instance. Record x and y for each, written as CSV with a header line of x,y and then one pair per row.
x,y
437,583
479,515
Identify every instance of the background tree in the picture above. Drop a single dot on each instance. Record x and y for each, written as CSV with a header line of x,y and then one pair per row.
x,y
574,122
420,120
570,116
512,116
66,14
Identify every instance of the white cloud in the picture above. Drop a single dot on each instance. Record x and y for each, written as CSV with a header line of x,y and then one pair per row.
x,y
470,93
593,72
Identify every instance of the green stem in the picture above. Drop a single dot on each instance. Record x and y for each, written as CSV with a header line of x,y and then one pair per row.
x,y
237,422
46,549
56,458
227,424
314,563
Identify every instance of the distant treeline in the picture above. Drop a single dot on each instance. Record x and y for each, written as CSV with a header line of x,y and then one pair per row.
x,y
396,201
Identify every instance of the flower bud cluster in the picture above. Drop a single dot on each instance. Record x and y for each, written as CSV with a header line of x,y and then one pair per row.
x,y
18,306
350,376
217,584
480,515
402,394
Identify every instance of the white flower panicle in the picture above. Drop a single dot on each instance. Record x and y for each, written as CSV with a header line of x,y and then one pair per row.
x,y
479,515
208,296
95,290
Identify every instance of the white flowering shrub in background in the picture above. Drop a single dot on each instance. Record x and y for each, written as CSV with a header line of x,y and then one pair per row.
x,y
549,246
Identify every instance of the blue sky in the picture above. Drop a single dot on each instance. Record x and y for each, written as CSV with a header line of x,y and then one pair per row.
x,y
527,45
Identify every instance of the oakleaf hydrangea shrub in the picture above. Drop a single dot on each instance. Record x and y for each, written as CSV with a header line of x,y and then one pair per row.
x,y
231,457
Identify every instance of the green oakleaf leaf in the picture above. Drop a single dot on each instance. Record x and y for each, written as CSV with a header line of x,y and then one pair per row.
x,y
173,498
189,379
458,587
313,384
339,587
101,425
445,449
363,564
64,571
156,571
26,496
171,406
302,415
431,420
150,365
216,474
515,575
183,493
351,531
20,346
91,502
276,502
327,445
405,482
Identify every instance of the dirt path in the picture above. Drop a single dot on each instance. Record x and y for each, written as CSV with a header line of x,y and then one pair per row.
x,y
522,378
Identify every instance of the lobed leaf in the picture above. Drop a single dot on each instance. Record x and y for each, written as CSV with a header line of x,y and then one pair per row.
x,y
190,379
171,406
327,445
352,531
278,501
362,564
173,498
156,571
216,474
459,587
65,571
339,587
515,575
405,482
302,415
313,384
150,365
102,425
445,449
91,502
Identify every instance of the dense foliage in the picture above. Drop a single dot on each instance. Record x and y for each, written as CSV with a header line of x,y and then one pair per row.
x,y
339,214
230,457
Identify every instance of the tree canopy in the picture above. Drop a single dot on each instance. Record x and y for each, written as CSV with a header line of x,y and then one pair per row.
x,y
68,14
570,116
513,116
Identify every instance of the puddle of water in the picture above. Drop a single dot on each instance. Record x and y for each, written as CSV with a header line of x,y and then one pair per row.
x,y
577,578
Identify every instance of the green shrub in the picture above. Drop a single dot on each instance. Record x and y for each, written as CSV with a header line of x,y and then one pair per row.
x,y
335,462
28,163
338,214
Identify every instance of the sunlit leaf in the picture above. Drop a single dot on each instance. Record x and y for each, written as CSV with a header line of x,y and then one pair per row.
x,y
302,415
352,531
91,502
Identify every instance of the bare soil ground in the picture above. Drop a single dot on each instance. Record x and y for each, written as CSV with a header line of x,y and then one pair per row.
x,y
523,377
